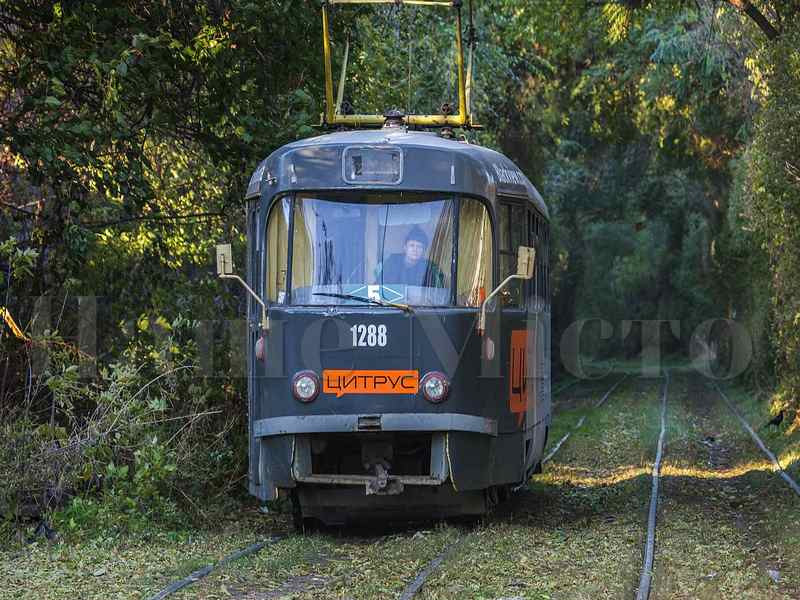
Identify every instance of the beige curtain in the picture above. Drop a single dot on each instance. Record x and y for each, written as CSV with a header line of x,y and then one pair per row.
x,y
441,251
303,251
277,250
474,253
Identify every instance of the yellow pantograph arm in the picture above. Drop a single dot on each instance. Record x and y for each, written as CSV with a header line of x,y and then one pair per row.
x,y
12,324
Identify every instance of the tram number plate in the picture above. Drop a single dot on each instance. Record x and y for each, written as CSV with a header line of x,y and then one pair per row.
x,y
369,336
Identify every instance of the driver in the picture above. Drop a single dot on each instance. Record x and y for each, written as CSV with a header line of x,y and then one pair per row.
x,y
410,268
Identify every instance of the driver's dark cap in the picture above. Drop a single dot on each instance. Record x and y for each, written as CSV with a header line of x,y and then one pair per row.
x,y
417,235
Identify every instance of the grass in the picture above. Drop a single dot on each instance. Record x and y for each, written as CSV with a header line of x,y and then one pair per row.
x,y
95,565
577,531
323,565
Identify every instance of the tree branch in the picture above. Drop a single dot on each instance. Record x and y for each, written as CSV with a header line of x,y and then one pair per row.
x,y
101,224
757,16
17,208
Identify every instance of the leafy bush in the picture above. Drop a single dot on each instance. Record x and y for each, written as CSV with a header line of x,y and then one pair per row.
x,y
774,184
127,448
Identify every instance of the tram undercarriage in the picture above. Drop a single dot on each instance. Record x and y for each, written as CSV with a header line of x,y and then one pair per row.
x,y
343,477
343,505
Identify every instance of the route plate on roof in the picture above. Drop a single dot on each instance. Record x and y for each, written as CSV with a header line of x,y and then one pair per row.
x,y
372,164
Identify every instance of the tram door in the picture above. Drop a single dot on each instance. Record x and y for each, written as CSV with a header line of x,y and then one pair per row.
x,y
512,233
254,273
525,327
539,339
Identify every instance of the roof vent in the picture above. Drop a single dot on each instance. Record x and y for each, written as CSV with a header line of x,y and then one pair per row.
x,y
394,118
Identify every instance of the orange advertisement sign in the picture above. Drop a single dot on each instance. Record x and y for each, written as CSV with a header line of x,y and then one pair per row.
x,y
341,382
518,374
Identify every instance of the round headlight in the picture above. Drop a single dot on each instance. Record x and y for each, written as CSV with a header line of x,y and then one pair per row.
x,y
435,386
305,386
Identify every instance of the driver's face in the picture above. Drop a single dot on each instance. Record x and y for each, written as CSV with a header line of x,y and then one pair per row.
x,y
414,250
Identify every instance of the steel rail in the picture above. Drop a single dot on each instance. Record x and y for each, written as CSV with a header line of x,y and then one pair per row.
x,y
609,392
200,573
647,567
783,474
565,386
580,422
416,585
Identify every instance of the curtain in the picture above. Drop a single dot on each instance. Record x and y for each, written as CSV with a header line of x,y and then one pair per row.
x,y
277,250
303,252
474,253
441,250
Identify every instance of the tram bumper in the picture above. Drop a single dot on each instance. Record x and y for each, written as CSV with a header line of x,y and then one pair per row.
x,y
385,454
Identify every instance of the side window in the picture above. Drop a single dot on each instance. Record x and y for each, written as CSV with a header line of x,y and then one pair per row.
x,y
540,236
546,264
277,249
512,234
474,253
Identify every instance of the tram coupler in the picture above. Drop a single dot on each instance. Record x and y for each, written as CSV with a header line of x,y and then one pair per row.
x,y
382,484
377,456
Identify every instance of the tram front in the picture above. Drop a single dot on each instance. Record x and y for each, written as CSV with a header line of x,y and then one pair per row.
x,y
372,393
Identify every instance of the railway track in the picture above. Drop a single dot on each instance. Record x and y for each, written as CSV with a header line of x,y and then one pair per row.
x,y
416,585
720,484
646,576
658,557
603,399
203,572
759,442
712,422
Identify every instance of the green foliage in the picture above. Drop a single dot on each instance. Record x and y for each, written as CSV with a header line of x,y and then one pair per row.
x,y
21,261
774,211
129,133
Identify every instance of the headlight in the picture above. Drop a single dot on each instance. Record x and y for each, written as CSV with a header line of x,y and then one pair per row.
x,y
305,386
435,386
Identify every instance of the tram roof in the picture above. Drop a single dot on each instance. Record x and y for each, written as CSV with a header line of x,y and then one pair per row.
x,y
430,163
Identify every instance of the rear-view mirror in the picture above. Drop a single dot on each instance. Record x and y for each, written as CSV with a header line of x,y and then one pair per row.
x,y
526,257
224,260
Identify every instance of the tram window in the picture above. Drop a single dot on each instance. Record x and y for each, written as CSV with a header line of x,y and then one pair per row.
x,y
277,250
390,247
474,253
540,239
546,263
518,237
511,225
540,235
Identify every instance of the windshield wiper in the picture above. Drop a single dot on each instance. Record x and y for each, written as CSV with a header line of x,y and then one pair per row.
x,y
404,307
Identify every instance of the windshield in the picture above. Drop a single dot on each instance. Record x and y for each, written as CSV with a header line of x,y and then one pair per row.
x,y
387,248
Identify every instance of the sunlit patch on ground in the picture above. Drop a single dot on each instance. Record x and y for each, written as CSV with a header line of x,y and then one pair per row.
x,y
564,474
789,457
698,472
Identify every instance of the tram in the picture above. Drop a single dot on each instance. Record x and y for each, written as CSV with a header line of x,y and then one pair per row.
x,y
399,339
